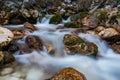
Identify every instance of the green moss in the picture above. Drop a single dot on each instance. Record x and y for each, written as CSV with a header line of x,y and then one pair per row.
x,y
70,25
56,19
103,16
72,40
83,14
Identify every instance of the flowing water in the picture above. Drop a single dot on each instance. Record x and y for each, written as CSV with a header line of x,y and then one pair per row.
x,y
44,66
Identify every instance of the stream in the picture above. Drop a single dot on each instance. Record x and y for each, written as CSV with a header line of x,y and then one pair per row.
x,y
41,66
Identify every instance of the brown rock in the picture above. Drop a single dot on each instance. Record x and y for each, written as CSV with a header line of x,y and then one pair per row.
x,y
99,28
69,74
30,26
109,32
18,34
34,42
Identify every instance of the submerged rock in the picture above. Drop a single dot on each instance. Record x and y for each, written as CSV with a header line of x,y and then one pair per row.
x,y
34,42
68,74
74,44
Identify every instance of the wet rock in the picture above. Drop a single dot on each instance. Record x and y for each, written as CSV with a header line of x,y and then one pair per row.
x,y
74,44
6,37
6,71
30,26
56,19
34,42
68,74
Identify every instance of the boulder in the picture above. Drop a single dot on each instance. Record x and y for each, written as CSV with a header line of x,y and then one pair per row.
x,y
6,37
74,45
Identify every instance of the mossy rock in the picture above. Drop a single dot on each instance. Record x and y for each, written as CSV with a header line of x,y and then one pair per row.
x,y
68,74
70,25
75,45
72,40
56,19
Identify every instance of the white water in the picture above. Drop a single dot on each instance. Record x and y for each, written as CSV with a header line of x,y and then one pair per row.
x,y
103,68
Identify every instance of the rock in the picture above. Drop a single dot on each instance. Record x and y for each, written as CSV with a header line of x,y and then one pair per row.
x,y
18,34
6,37
70,25
56,19
68,74
99,29
30,26
6,71
74,44
116,47
108,32
34,42
34,13
91,22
